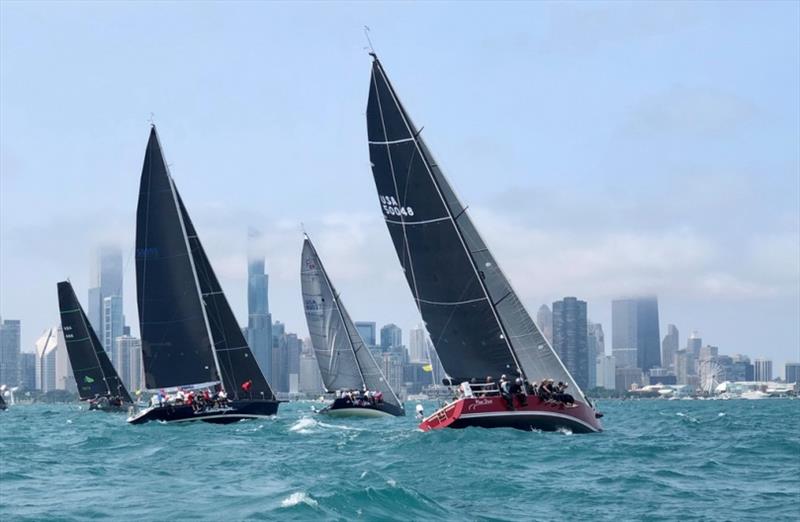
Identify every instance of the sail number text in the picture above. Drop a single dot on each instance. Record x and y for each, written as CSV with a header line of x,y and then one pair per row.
x,y
392,208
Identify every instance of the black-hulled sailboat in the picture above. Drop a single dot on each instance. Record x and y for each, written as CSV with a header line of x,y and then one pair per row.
x,y
345,362
477,323
190,337
97,380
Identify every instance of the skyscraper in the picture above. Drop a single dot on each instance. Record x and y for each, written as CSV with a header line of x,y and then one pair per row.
x,y
53,370
10,348
259,320
417,345
367,331
596,346
606,372
128,361
27,370
635,338
570,338
391,336
763,370
669,346
544,320
106,278
694,343
708,353
792,372
113,326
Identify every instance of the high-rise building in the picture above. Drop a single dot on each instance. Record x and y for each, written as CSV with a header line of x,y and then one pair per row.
x,y
708,353
635,338
113,324
792,372
391,365
570,338
259,319
367,331
627,377
310,378
684,366
53,370
544,320
417,344
742,369
27,367
135,367
596,346
106,278
669,345
391,336
10,348
606,372
694,343
763,370
128,361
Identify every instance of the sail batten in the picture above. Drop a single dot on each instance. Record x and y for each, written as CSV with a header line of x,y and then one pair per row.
x,y
344,359
474,338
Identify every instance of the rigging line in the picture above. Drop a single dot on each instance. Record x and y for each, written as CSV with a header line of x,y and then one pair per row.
x,y
455,225
394,178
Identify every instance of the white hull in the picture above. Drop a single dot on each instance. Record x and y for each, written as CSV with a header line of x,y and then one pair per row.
x,y
355,412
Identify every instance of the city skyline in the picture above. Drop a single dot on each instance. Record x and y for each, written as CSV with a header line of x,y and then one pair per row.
x,y
643,210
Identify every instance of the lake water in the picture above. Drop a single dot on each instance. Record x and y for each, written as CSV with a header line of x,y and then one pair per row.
x,y
657,460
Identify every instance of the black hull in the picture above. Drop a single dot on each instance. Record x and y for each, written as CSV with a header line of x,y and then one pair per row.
x,y
234,412
345,408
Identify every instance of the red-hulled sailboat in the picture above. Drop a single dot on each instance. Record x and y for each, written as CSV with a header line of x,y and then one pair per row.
x,y
478,325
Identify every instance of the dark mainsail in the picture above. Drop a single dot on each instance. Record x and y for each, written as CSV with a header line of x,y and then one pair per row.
x,y
235,359
93,371
176,341
345,361
477,323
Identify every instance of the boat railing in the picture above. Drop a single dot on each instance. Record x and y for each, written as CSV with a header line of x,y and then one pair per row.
x,y
469,390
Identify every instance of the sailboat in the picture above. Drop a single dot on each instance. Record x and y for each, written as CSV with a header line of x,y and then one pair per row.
x,y
476,321
97,380
345,362
190,337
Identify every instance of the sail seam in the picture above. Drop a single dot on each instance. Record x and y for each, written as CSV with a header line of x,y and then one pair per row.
x,y
392,142
452,303
423,222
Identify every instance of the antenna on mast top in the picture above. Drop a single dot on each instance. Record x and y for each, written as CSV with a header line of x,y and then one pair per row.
x,y
369,42
152,120
303,229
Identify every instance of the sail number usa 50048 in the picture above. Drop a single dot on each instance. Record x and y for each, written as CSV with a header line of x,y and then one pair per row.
x,y
392,208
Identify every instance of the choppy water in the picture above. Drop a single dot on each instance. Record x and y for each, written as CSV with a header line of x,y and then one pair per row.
x,y
657,460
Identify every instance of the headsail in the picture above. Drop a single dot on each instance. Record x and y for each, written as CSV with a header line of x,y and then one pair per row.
x,y
236,361
476,322
176,341
344,359
93,371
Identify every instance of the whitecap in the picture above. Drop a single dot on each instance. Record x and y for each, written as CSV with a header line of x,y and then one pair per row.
x,y
297,498
304,425
565,431
392,482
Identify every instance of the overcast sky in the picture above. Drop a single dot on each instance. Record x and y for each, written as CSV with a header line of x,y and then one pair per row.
x,y
603,149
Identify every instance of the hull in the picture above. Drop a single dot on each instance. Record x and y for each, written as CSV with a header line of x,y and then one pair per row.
x,y
492,412
236,411
342,408
104,406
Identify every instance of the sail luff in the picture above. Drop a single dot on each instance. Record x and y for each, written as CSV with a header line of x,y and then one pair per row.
x,y
415,137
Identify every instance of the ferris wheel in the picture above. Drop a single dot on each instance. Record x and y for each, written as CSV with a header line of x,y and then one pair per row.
x,y
710,374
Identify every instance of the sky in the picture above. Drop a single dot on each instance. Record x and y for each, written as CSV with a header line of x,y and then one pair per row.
x,y
604,149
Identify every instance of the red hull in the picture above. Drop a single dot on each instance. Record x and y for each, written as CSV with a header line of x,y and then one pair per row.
x,y
492,412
